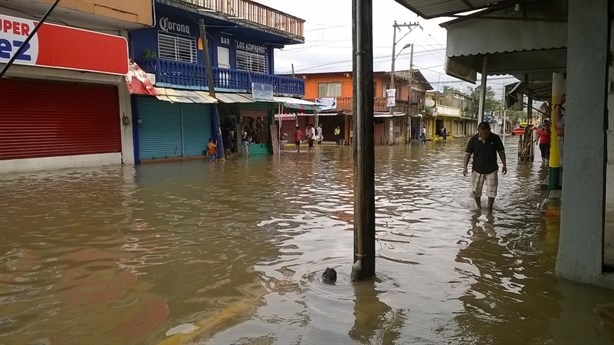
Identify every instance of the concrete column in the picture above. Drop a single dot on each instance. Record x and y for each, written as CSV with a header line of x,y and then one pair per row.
x,y
580,254
558,89
125,114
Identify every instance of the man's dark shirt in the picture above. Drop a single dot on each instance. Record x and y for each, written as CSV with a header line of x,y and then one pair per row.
x,y
485,153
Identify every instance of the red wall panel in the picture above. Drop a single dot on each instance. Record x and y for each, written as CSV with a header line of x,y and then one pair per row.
x,y
45,119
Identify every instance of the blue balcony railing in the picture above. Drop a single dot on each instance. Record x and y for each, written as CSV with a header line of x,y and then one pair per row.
x,y
193,76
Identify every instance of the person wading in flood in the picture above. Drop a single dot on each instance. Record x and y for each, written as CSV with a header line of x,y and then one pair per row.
x,y
484,147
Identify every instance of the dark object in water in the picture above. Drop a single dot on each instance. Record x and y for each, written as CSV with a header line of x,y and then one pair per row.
x,y
329,275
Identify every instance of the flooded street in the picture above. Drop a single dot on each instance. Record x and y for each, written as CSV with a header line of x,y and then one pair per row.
x,y
232,253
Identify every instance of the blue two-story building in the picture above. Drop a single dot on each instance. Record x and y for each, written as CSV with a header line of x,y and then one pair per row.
x,y
241,36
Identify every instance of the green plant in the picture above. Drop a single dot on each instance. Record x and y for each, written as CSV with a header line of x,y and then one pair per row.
x,y
149,55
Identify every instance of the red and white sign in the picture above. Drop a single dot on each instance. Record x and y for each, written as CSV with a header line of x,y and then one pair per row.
x,y
138,83
62,47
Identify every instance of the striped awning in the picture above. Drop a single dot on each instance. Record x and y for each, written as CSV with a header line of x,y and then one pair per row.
x,y
296,103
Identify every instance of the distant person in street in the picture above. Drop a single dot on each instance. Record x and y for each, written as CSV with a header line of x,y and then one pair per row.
x,y
245,141
298,138
351,136
423,135
484,147
543,140
319,134
337,134
311,137
444,133
211,149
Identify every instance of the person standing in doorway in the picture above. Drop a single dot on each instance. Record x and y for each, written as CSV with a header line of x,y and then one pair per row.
x,y
297,138
423,134
245,141
444,133
337,134
319,134
484,147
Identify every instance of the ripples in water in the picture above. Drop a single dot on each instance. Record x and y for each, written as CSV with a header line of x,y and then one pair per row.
x,y
232,253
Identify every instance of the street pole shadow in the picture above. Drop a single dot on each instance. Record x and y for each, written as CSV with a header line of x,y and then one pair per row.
x,y
375,322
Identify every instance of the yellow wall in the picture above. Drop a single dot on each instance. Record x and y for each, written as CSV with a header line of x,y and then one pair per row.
x,y
135,11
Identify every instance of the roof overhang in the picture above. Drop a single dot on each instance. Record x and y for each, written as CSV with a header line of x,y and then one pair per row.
x,y
183,96
530,44
234,98
509,46
442,8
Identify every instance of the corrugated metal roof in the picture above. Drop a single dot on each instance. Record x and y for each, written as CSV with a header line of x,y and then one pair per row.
x,y
440,8
234,98
183,96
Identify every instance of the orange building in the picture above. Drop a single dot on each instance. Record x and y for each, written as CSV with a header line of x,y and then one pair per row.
x,y
391,127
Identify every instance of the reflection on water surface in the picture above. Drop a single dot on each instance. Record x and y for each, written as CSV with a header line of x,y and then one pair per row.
x,y
232,253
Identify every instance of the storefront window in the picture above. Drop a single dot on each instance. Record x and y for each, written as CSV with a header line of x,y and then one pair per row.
x,y
257,128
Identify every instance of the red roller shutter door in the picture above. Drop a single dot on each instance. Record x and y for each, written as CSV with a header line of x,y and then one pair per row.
x,y
47,119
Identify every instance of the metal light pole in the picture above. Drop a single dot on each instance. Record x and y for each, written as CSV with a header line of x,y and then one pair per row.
x,y
396,27
394,58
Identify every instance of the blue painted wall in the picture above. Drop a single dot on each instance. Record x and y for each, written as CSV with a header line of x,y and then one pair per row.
x,y
185,23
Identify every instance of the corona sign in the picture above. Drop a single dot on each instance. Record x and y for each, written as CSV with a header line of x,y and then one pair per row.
x,y
64,47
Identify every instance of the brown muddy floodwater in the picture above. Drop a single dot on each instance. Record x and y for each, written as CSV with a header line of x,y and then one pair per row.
x,y
232,253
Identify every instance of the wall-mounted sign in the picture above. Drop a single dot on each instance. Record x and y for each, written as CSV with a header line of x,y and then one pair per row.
x,y
262,92
391,97
250,47
326,103
62,47
168,25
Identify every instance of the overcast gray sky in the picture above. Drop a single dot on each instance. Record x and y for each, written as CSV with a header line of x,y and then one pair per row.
x,y
328,40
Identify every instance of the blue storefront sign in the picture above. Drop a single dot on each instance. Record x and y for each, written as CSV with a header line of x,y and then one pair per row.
x,y
262,92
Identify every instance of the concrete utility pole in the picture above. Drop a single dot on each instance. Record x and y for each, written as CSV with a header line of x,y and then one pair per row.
x,y
409,93
397,27
217,128
364,153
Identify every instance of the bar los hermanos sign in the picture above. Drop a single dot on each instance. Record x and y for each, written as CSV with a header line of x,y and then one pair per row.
x,y
250,47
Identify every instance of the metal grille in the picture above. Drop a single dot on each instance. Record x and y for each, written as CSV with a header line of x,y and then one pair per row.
x,y
51,119
252,62
176,48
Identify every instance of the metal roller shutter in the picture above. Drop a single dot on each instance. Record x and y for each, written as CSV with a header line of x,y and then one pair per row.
x,y
47,119
196,128
159,130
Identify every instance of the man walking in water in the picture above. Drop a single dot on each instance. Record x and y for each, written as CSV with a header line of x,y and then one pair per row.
x,y
484,147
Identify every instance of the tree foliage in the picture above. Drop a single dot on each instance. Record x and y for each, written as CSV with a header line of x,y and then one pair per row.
x,y
490,104
515,116
448,88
